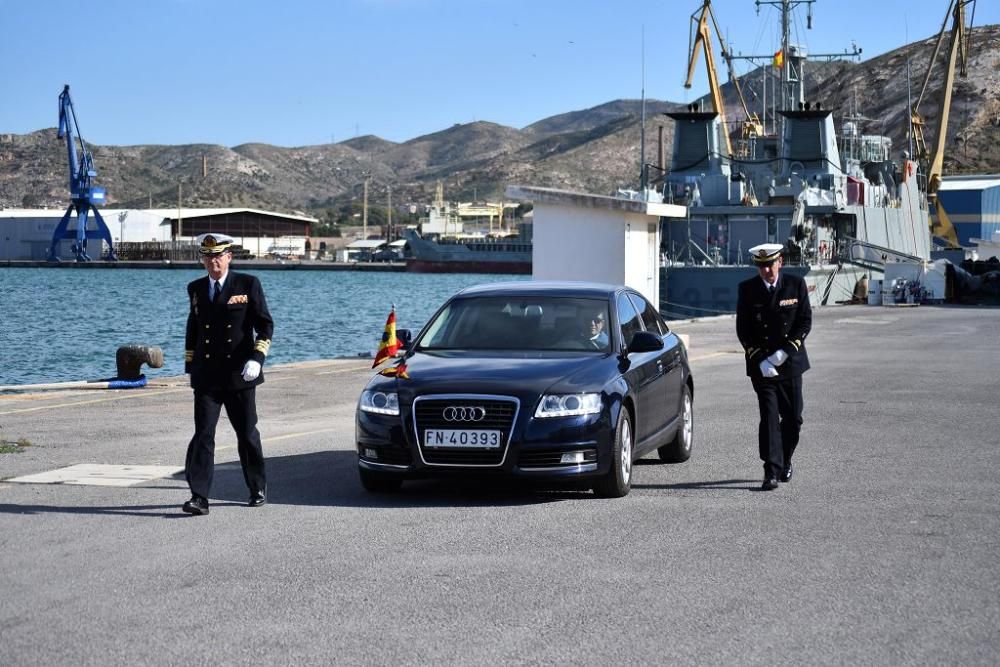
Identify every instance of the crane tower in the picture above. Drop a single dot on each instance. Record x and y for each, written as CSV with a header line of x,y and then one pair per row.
x,y
84,195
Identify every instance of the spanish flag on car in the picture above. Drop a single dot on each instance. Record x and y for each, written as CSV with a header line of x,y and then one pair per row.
x,y
779,59
390,344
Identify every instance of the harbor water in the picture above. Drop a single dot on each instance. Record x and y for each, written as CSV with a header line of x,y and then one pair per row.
x,y
66,325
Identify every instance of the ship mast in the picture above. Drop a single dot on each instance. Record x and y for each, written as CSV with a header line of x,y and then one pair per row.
x,y
792,57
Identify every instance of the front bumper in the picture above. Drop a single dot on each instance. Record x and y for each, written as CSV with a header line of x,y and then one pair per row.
x,y
535,449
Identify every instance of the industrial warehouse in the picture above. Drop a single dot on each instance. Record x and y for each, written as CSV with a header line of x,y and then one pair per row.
x,y
156,234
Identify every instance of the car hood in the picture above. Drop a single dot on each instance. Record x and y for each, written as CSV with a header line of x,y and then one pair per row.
x,y
503,373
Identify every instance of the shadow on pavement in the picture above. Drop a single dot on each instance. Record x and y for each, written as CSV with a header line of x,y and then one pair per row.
x,y
331,479
157,511
322,479
728,484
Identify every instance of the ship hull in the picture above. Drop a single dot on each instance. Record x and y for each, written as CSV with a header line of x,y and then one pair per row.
x,y
704,291
463,266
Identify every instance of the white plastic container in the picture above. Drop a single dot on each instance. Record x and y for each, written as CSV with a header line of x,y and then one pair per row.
x,y
875,293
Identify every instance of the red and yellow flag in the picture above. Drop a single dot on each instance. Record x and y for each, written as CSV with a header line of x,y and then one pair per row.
x,y
390,344
779,59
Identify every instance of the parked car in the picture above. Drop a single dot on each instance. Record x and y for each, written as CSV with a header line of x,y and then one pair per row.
x,y
515,379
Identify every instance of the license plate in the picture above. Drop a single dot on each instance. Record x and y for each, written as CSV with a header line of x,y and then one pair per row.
x,y
461,438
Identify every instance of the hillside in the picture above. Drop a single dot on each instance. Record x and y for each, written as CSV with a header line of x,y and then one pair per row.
x,y
594,149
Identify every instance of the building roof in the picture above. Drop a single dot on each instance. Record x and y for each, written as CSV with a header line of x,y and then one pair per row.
x,y
972,182
362,244
205,212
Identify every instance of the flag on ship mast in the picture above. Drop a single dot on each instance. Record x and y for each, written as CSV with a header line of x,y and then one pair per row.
x,y
779,59
390,344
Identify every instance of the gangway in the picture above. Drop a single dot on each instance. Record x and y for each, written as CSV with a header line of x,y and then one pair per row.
x,y
871,256
84,195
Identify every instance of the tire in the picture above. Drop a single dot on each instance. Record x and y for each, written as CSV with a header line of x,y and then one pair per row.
x,y
618,481
678,450
374,482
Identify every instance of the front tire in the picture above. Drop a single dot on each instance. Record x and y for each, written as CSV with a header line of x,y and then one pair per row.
x,y
678,450
374,482
618,481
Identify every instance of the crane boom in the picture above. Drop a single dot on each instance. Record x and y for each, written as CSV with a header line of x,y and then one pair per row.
x,y
958,54
84,195
703,38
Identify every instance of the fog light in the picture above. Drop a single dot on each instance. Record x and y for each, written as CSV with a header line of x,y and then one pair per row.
x,y
371,453
571,457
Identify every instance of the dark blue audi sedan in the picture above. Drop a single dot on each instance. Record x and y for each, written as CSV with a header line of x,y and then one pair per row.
x,y
553,382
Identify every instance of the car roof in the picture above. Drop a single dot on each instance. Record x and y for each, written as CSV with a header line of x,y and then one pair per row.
x,y
542,288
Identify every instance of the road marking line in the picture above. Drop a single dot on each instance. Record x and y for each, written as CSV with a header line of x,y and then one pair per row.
x,y
713,354
287,436
343,370
96,400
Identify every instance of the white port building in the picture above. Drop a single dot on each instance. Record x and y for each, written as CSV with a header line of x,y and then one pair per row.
x,y
26,234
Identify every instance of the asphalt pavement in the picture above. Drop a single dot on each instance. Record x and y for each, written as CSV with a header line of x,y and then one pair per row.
x,y
883,549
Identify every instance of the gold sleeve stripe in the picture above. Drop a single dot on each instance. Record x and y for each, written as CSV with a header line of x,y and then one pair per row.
x,y
752,351
263,346
188,355
797,343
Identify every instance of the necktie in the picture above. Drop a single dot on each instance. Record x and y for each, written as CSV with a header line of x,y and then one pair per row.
x,y
218,290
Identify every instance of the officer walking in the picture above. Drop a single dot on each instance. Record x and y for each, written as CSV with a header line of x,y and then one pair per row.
x,y
224,357
773,318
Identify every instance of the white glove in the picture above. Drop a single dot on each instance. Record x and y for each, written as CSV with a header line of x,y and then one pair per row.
x,y
252,369
768,370
778,357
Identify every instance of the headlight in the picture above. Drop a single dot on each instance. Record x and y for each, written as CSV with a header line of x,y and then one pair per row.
x,y
380,402
568,405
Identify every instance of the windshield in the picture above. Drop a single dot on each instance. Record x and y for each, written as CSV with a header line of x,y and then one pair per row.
x,y
519,323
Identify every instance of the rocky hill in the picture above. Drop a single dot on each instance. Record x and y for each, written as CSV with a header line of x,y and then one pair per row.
x,y
595,149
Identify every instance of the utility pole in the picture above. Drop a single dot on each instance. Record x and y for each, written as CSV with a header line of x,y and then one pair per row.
x,y
388,234
364,213
180,222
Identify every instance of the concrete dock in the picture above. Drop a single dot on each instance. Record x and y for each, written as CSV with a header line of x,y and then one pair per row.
x,y
881,550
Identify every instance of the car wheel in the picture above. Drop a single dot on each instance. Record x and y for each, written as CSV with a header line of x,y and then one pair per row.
x,y
678,450
374,482
617,482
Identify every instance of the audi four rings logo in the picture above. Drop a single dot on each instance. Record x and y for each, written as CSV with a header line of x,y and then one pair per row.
x,y
463,414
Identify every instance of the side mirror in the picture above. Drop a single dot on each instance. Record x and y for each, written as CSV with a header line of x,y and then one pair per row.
x,y
645,341
405,337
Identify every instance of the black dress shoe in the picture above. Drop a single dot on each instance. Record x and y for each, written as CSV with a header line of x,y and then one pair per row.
x,y
257,498
786,474
770,484
197,506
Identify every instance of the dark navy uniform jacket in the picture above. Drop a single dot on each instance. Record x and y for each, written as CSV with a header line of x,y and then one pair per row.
x,y
769,322
220,337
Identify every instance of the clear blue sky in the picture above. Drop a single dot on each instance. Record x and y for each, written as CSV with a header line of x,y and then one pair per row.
x,y
303,72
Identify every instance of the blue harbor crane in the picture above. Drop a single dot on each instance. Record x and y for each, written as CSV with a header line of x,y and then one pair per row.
x,y
84,195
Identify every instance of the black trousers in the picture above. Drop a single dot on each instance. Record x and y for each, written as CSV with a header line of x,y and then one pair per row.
x,y
780,404
241,407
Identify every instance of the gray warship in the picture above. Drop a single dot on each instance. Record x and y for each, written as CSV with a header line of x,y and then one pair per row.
x,y
839,201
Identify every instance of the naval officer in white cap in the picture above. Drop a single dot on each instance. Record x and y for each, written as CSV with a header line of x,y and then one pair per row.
x,y
773,318
227,339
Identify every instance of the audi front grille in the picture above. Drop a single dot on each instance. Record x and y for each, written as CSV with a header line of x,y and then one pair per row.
x,y
464,412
